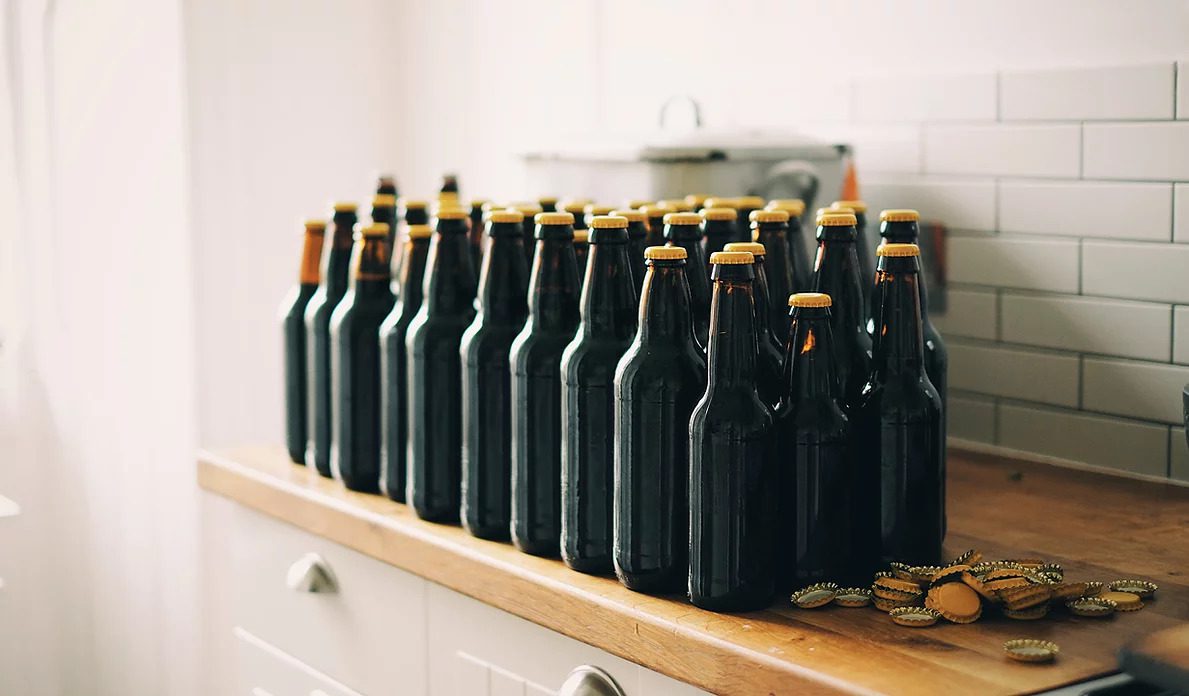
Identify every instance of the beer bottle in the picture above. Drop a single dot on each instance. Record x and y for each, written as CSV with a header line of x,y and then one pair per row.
x,y
450,184
837,275
386,185
657,382
732,478
435,380
899,419
685,230
679,205
771,356
581,252
413,212
384,212
771,229
317,322
355,360
747,206
293,327
476,233
696,201
487,381
607,326
394,364
637,243
816,473
529,211
536,387
593,210
862,242
548,205
718,230
655,215
577,208
799,250
733,204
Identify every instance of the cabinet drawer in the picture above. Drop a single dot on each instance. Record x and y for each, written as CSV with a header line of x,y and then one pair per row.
x,y
263,670
368,633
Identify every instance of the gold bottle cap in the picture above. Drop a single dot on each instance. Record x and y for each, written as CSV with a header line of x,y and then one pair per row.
x,y
1124,601
452,213
831,211
343,207
857,206
376,229
720,213
678,204
914,617
768,216
898,250
1140,588
551,200
732,258
853,597
529,210
720,202
479,202
383,199
750,202
816,595
420,231
683,219
639,203
506,216
408,203
1031,650
608,222
753,248
837,220
656,210
810,299
1093,607
795,207
582,236
629,214
315,224
574,205
598,209
899,215
696,200
666,253
563,218
448,195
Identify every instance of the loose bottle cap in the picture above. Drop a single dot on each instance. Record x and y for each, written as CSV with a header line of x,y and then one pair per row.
x,y
420,231
720,202
904,215
810,299
453,213
506,216
598,209
732,258
794,206
914,617
814,596
640,203
383,199
607,222
529,210
683,219
1124,601
582,236
898,250
857,206
720,213
753,248
750,202
768,216
1140,588
629,215
576,205
345,207
551,200
666,253
679,204
413,203
315,224
376,229
554,218
837,220
696,200
1031,650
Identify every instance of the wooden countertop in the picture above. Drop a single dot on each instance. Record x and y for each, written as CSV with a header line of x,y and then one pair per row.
x,y
1098,527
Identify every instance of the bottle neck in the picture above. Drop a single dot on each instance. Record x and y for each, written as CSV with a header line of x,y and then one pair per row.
x,y
719,229
503,279
682,235
385,214
839,275
311,257
416,216
450,281
898,346
762,300
608,298
907,232
768,232
412,268
336,272
809,356
665,304
371,265
734,345
554,286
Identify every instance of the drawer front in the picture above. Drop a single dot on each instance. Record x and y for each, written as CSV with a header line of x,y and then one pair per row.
x,y
368,633
263,670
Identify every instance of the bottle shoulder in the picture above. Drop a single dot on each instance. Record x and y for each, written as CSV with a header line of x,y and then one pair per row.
x,y
739,410
901,399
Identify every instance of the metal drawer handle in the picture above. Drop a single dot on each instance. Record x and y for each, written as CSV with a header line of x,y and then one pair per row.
x,y
589,680
311,573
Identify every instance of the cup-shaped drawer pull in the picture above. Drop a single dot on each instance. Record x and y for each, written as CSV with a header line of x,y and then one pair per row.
x,y
589,680
311,573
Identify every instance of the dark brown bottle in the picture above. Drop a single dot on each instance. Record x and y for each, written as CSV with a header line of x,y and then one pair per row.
x,y
394,365
863,243
771,350
770,228
654,215
637,243
384,211
799,250
475,235
657,383
685,230
739,232
529,211
732,478
548,205
746,206
718,230
487,379
412,212
898,420
816,474
581,251
336,265
837,274
355,362
536,387
608,324
293,328
386,185
435,372
449,184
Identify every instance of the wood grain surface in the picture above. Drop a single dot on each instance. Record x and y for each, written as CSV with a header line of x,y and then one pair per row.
x,y
1097,526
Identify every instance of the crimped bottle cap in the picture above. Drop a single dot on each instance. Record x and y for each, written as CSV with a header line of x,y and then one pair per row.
x,y
816,595
732,258
629,214
551,200
696,200
640,202
506,216
376,229
683,219
668,253
1031,650
656,210
830,211
837,220
753,248
678,204
914,617
898,250
582,236
721,202
768,216
314,224
420,231
810,299
608,222
574,205
598,209
452,212
383,199
479,202
407,203
564,218
720,213
855,205
343,207
899,215
794,206
750,202
1140,588
529,210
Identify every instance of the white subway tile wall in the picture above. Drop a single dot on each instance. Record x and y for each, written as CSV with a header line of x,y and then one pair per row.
x,y
1007,150
1087,325
1014,262
971,417
1109,442
1110,210
1150,391
1180,204
969,313
1141,92
1180,338
1043,376
1148,151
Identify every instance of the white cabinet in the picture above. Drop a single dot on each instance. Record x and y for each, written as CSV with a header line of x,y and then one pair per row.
x,y
264,670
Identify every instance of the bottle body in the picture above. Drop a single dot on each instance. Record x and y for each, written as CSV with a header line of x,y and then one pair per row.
x,y
837,273
293,332
781,279
688,236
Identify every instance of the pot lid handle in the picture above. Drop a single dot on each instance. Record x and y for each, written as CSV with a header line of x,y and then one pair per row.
x,y
695,110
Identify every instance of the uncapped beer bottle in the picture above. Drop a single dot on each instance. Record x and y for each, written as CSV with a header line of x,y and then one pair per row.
x,y
476,233
718,230
770,358
355,360
529,211
293,327
862,242
487,380
837,274
394,364
696,201
553,317
799,250
746,206
657,382
435,379
608,324
898,420
335,269
685,230
732,478
816,474
655,216
771,229
637,243
384,211
548,205
740,232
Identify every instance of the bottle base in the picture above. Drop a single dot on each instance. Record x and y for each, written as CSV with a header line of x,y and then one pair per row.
x,y
598,565
364,486
440,516
657,583
733,603
543,549
491,532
